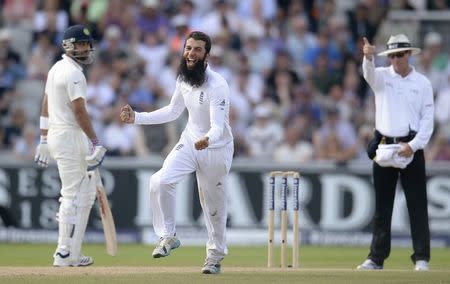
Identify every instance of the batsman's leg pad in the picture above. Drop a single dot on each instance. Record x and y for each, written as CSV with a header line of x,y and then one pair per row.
x,y
66,219
84,200
73,216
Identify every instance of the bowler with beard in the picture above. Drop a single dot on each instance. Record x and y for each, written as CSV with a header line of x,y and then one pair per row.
x,y
205,147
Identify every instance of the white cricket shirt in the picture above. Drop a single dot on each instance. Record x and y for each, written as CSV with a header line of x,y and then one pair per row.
x,y
65,83
208,107
401,103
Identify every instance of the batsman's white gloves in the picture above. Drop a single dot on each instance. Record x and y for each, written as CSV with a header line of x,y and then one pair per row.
x,y
42,154
96,158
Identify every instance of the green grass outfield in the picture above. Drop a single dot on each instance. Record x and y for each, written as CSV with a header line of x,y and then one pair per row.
x,y
25,263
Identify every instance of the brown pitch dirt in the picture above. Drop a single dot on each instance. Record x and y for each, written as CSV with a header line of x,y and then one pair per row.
x,y
93,270
111,270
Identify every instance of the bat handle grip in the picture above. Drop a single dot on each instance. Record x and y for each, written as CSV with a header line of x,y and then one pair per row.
x,y
98,178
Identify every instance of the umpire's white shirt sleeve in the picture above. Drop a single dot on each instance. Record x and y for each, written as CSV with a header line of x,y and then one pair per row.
x,y
373,75
426,118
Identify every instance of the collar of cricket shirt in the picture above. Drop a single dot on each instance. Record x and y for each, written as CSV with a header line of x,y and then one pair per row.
x,y
71,60
411,75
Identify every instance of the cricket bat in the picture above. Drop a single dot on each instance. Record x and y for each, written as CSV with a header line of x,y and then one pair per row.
x,y
107,219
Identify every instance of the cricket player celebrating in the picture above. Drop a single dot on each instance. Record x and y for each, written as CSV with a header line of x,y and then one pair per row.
x,y
67,136
205,146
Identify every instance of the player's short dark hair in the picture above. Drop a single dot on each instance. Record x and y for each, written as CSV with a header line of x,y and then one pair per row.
x,y
197,35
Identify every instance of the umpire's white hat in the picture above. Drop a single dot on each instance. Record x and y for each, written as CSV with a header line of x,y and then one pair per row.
x,y
398,43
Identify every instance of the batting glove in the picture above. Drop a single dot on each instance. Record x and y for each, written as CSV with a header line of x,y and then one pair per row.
x,y
42,156
96,158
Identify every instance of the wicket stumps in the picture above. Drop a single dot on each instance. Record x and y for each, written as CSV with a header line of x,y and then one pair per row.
x,y
284,217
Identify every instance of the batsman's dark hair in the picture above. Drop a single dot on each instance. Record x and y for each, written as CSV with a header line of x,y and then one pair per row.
x,y
197,35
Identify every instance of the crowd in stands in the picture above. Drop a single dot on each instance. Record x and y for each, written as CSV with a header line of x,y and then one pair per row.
x,y
293,67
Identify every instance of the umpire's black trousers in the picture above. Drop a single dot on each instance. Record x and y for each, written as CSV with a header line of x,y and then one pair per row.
x,y
413,181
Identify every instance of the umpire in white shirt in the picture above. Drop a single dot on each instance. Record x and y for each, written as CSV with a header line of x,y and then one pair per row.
x,y
404,115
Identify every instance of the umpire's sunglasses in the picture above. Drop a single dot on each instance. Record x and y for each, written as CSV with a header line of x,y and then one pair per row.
x,y
397,54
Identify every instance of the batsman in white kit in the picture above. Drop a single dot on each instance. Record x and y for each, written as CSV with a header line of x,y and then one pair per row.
x,y
205,147
68,137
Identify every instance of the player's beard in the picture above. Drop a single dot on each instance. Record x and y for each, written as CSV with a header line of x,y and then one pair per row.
x,y
84,57
195,76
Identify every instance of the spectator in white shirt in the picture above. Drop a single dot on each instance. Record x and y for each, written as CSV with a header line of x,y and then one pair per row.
x,y
336,139
265,134
442,111
220,18
100,97
293,149
154,52
119,137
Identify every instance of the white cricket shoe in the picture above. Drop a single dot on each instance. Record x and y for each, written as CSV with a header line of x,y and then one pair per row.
x,y
165,245
211,267
369,264
421,265
62,259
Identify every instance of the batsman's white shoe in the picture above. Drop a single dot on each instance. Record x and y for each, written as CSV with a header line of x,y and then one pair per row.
x,y
165,245
62,259
421,265
369,264
211,267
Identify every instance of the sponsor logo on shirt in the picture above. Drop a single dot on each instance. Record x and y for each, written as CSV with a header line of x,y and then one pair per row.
x,y
179,146
76,82
200,98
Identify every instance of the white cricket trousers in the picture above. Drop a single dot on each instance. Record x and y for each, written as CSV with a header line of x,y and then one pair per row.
x,y
69,147
211,167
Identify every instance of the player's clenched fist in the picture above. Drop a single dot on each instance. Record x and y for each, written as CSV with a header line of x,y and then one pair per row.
x,y
202,143
368,49
127,114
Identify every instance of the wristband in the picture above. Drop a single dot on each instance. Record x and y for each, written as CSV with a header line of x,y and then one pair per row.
x,y
43,139
43,122
95,142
